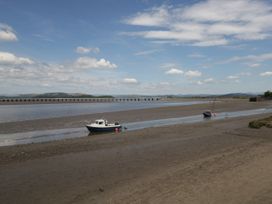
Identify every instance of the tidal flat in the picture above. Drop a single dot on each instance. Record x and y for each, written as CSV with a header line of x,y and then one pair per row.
x,y
220,161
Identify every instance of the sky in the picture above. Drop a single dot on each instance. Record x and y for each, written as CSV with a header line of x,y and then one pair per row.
x,y
149,47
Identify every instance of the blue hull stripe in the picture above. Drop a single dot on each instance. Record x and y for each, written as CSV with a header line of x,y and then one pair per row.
x,y
107,129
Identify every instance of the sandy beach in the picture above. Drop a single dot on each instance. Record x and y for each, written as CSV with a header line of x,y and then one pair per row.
x,y
220,161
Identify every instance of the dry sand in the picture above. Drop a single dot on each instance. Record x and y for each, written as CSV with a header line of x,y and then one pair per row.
x,y
210,162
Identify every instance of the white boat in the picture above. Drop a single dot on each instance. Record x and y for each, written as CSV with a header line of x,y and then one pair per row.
x,y
208,114
102,125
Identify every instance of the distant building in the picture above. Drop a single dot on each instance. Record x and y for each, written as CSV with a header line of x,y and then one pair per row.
x,y
256,98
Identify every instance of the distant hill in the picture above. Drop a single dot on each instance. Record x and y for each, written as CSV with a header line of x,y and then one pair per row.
x,y
238,95
82,95
69,95
57,95
63,95
230,95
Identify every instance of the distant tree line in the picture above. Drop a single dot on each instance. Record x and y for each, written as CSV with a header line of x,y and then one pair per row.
x,y
268,94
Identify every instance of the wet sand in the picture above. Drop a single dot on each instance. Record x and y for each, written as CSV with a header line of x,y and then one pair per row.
x,y
130,116
210,162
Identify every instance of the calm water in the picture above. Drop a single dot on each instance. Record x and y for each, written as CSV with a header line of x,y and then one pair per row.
x,y
49,135
10,113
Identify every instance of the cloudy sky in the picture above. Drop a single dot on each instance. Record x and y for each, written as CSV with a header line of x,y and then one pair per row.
x,y
136,46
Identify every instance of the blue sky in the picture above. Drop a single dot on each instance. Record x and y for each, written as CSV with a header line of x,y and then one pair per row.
x,y
135,47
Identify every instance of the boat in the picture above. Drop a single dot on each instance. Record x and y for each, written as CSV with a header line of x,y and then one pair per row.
x,y
101,125
207,114
210,113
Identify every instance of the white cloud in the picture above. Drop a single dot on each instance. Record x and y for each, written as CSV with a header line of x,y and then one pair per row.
x,y
169,65
39,75
147,52
130,81
7,33
206,23
233,77
35,75
199,83
154,17
196,55
22,74
212,42
192,73
253,58
244,74
174,71
9,58
85,50
255,65
226,10
264,74
205,81
209,80
236,77
90,63
164,83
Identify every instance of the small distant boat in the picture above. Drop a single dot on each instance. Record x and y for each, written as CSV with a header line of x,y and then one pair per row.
x,y
102,125
208,114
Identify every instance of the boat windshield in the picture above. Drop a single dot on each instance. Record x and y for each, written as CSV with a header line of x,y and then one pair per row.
x,y
99,122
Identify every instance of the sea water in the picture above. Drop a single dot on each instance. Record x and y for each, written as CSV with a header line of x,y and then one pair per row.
x,y
10,113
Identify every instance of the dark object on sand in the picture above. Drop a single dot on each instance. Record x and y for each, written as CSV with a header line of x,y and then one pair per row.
x,y
207,114
257,124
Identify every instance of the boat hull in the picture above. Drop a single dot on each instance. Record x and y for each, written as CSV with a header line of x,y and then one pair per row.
x,y
104,129
207,114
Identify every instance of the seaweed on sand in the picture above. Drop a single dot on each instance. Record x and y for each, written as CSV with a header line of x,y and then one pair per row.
x,y
265,122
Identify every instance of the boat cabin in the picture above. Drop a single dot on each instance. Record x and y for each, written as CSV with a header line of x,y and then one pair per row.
x,y
101,122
